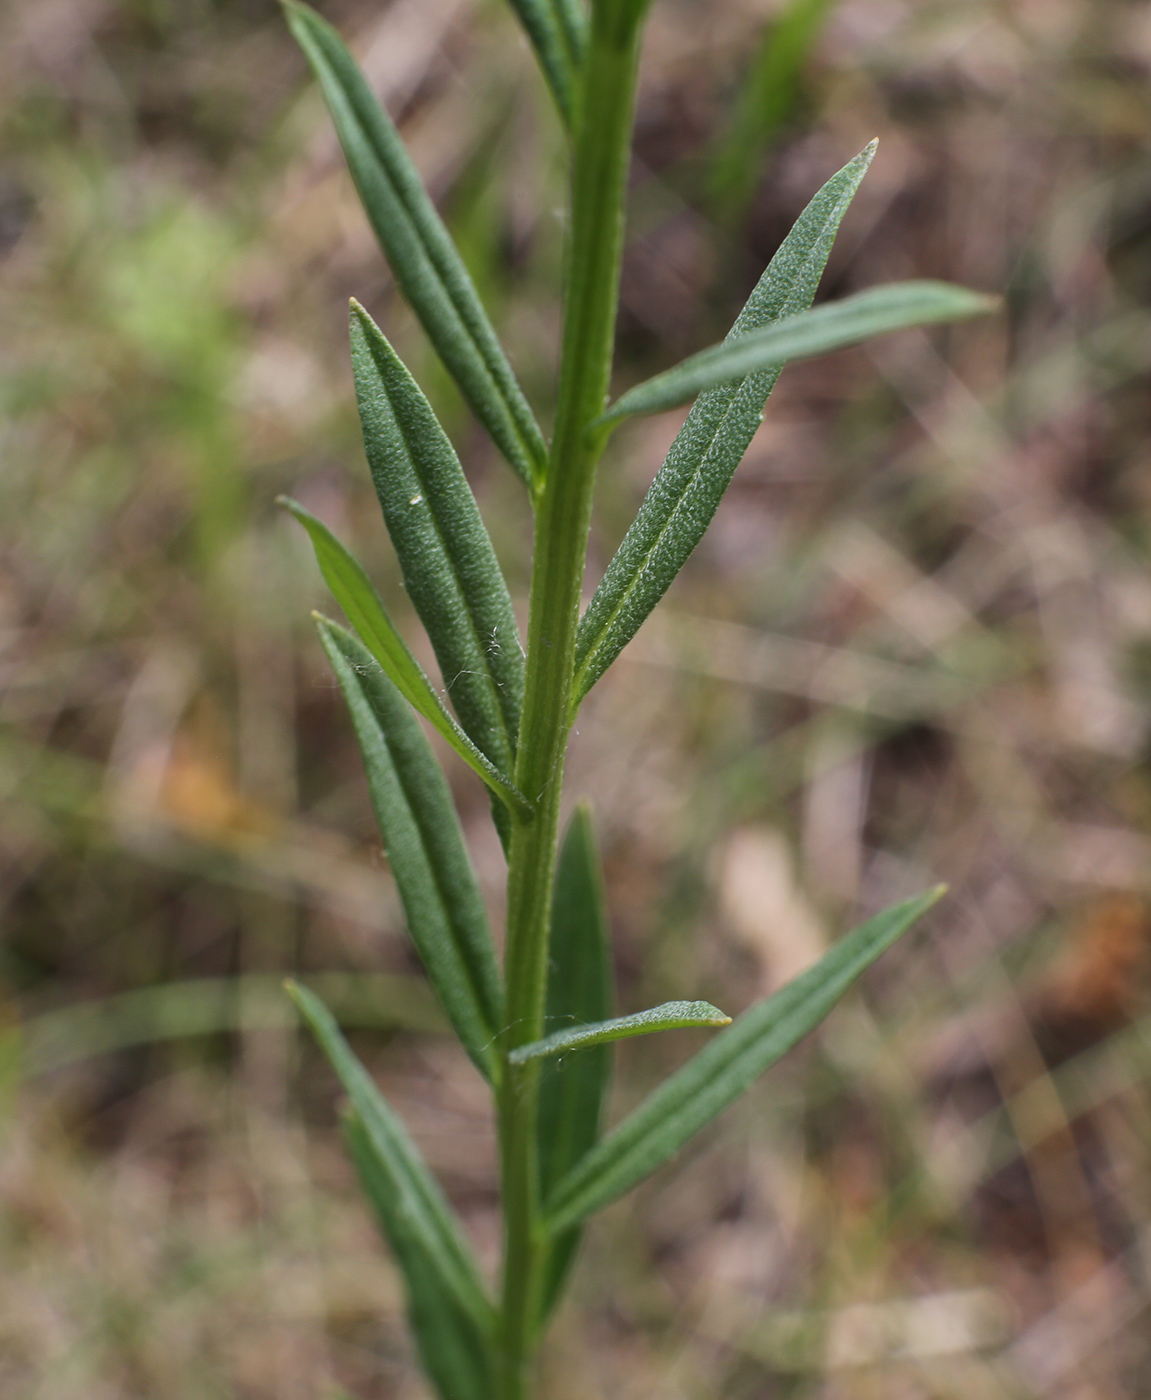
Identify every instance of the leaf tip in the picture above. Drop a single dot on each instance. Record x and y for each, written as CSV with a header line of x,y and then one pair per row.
x,y
710,1015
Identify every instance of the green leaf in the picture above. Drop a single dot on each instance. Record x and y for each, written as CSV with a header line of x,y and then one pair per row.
x,y
449,566
456,1348
828,327
572,1092
423,257
557,30
618,17
689,486
425,849
723,1069
444,1286
672,1015
353,591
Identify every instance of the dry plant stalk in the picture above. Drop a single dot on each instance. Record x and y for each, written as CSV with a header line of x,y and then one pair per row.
x,y
513,707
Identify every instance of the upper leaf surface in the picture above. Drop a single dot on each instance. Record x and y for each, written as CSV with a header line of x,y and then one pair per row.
x,y
450,568
421,834
828,327
428,1220
456,1347
723,1069
353,591
688,487
425,261
671,1015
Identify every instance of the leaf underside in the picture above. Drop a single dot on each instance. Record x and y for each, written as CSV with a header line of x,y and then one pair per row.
x,y
723,1069
556,29
419,248
449,566
425,848
717,432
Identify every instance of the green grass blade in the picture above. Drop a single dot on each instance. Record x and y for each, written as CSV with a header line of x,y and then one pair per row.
x,y
430,1217
726,1066
425,848
767,99
816,332
450,568
456,1346
212,1006
572,1092
672,1015
438,1266
423,257
353,590
689,486
558,32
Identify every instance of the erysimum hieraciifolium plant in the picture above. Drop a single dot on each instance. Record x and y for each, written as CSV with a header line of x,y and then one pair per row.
x,y
512,706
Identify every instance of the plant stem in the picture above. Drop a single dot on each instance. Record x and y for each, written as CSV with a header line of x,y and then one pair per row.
x,y
563,513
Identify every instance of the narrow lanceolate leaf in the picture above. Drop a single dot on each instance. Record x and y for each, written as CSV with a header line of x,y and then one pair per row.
x,y
814,332
449,566
557,31
456,1347
440,1272
353,591
670,1016
425,849
708,448
425,261
715,1077
429,1218
579,989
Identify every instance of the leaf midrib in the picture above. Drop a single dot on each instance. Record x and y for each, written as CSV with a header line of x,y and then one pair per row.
x,y
430,496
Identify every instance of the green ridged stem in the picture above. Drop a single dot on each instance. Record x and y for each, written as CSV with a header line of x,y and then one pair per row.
x,y
563,515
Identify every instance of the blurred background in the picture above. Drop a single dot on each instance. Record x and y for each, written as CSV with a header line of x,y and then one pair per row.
x,y
915,646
